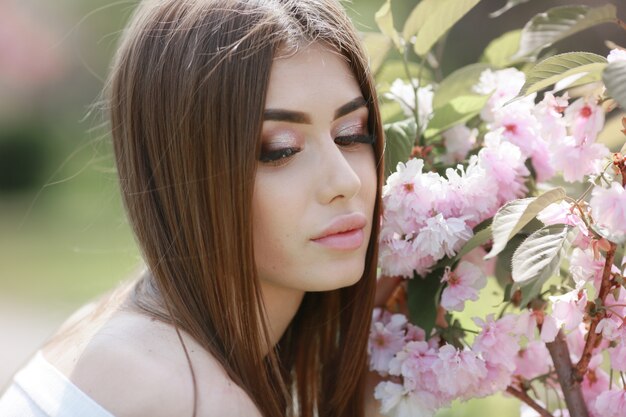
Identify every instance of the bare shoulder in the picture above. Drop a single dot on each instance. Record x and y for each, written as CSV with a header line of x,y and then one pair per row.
x,y
136,366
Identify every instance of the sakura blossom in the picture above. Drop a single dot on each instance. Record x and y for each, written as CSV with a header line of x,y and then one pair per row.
x,y
533,360
616,55
385,340
549,114
459,140
404,94
458,371
585,267
585,119
397,401
520,127
618,357
517,147
611,403
497,342
578,158
504,164
462,284
608,206
568,309
503,85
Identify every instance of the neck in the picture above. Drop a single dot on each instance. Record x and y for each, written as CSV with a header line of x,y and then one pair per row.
x,y
281,305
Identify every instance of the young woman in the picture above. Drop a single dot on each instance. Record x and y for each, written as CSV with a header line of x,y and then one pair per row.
x,y
249,150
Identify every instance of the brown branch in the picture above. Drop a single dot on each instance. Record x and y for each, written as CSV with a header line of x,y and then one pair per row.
x,y
621,23
593,338
522,396
568,377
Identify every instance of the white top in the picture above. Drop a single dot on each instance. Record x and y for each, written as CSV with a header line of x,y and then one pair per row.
x,y
41,390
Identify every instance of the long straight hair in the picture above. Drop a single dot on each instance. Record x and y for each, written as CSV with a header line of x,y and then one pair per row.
x,y
186,97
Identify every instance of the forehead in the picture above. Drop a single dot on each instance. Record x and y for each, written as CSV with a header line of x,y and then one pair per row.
x,y
313,76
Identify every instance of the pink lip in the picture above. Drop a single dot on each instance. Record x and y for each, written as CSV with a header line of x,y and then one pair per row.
x,y
344,232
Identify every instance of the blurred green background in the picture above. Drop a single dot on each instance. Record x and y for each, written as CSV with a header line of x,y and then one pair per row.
x,y
63,235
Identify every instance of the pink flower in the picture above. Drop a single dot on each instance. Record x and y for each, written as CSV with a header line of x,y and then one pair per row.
x,y
549,114
463,284
497,342
618,357
608,207
549,329
397,401
568,309
521,128
616,55
611,403
576,342
504,164
404,93
533,360
385,340
476,256
441,236
578,158
469,193
459,140
458,371
498,378
414,363
595,382
610,328
585,267
564,213
503,85
585,119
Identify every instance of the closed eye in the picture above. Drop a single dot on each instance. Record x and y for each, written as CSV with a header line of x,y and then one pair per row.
x,y
278,156
350,141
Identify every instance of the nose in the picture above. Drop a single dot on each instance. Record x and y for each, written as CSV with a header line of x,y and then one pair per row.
x,y
338,179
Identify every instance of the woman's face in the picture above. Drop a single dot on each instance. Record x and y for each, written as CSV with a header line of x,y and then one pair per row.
x,y
315,186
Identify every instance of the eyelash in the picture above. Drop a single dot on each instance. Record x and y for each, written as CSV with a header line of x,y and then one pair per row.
x,y
349,141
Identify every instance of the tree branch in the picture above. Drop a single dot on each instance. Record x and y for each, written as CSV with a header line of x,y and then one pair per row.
x,y
568,377
593,338
522,396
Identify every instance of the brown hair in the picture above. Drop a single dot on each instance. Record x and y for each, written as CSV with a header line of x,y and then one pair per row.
x,y
186,97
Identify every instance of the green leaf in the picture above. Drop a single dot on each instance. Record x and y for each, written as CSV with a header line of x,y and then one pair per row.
x,y
558,67
558,23
514,215
458,110
422,300
614,78
377,46
500,50
538,257
505,259
508,6
384,20
418,17
443,14
393,69
459,83
399,140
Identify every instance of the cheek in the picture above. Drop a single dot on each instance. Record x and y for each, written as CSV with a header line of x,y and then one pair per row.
x,y
276,208
365,167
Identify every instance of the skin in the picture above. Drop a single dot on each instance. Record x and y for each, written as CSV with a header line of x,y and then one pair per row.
x,y
123,360
298,196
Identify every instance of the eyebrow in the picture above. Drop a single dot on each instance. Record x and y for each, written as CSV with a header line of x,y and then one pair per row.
x,y
282,115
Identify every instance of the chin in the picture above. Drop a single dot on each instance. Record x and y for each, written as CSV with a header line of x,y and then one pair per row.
x,y
337,278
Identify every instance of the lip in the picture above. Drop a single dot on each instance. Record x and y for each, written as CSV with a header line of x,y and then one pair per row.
x,y
343,232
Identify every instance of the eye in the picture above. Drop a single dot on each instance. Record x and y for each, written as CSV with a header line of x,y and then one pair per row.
x,y
351,141
276,157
